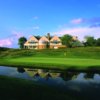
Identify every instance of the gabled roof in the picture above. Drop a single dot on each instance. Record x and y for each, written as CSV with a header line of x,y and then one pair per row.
x,y
37,37
32,38
43,38
55,38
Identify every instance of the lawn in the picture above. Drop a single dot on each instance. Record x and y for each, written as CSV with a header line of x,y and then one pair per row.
x,y
58,63
79,58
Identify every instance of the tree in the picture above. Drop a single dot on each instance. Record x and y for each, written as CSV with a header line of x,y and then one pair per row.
x,y
90,41
21,42
98,42
47,45
48,36
66,40
77,43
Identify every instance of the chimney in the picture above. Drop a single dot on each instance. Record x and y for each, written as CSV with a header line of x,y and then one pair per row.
x,y
48,36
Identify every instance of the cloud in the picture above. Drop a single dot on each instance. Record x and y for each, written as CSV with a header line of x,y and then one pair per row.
x,y
80,32
6,42
88,26
11,40
89,21
94,20
36,27
95,25
17,34
77,21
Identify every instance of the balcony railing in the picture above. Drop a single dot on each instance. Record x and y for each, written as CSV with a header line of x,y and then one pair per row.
x,y
32,42
55,42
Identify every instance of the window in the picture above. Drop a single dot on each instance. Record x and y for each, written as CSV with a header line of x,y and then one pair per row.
x,y
43,42
55,42
32,42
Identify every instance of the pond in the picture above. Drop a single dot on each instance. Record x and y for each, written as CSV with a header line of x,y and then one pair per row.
x,y
84,84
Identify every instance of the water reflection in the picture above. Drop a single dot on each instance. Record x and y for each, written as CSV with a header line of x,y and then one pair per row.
x,y
52,77
67,75
48,76
81,84
20,70
36,75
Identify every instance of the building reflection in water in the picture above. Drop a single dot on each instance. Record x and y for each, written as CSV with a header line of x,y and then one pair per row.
x,y
65,75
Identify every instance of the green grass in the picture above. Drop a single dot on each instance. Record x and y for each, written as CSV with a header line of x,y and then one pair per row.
x,y
57,63
79,58
87,52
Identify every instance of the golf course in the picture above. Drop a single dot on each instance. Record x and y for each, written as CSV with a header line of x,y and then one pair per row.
x,y
83,58
78,58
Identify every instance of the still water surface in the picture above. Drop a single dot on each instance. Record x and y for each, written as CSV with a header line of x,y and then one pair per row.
x,y
77,83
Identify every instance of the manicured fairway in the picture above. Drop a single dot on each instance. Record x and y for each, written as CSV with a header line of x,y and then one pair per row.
x,y
80,58
62,63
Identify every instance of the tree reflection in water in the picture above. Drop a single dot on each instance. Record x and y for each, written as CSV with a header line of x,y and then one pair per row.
x,y
20,70
67,75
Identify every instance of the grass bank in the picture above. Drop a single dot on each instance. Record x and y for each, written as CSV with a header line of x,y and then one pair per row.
x,y
83,52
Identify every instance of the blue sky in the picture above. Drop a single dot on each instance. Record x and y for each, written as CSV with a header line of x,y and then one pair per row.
x,y
38,17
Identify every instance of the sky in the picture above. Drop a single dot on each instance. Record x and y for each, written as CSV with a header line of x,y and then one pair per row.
x,y
38,17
